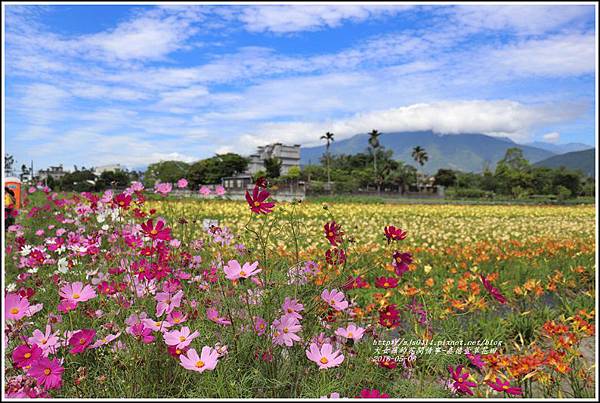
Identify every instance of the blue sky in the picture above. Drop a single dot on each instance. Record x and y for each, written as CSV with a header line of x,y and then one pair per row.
x,y
100,84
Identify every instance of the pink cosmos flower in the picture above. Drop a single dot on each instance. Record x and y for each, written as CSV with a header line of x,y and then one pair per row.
x,y
204,190
24,355
505,387
335,299
285,329
180,338
167,302
81,340
207,361
163,188
156,325
260,325
76,292
182,183
219,190
234,271
33,309
15,306
333,395
351,332
47,373
141,332
46,341
292,307
325,357
105,340
213,314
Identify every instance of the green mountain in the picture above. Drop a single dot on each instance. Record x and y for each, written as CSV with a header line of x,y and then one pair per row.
x,y
582,160
464,152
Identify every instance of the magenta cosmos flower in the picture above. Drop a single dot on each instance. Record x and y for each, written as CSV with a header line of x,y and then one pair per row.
x,y
505,387
207,361
81,340
292,307
15,306
492,290
204,190
24,355
260,325
333,233
220,190
461,380
234,271
386,282
141,332
394,234
335,299
158,232
401,262
257,201
324,357
47,373
372,394
77,292
180,338
351,332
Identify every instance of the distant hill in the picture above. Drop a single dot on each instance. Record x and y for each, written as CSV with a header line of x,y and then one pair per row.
x,y
582,160
465,152
559,148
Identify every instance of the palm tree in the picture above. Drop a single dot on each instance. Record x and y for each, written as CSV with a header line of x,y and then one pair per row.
x,y
374,143
420,156
329,138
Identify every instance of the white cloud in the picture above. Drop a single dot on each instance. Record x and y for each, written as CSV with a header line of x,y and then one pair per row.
x,y
294,18
560,55
552,137
522,19
499,118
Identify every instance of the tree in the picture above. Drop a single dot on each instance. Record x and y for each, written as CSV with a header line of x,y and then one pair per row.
x,y
420,156
9,161
374,144
113,179
513,173
213,169
328,137
79,181
445,177
165,171
273,167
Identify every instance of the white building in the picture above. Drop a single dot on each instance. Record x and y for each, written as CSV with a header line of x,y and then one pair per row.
x,y
289,156
107,168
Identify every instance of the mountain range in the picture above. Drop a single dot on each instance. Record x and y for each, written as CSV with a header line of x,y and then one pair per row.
x,y
469,152
582,160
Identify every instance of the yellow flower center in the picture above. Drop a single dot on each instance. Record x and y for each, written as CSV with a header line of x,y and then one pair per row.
x,y
154,232
256,204
290,310
14,311
76,296
47,371
27,355
242,273
104,340
285,330
324,360
262,326
121,203
44,341
332,302
178,351
176,320
182,338
82,341
504,387
460,380
330,234
199,364
386,284
350,335
157,323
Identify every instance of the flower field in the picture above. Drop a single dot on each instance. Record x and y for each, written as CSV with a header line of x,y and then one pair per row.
x,y
140,295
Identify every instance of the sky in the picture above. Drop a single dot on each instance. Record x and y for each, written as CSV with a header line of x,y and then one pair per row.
x,y
90,85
